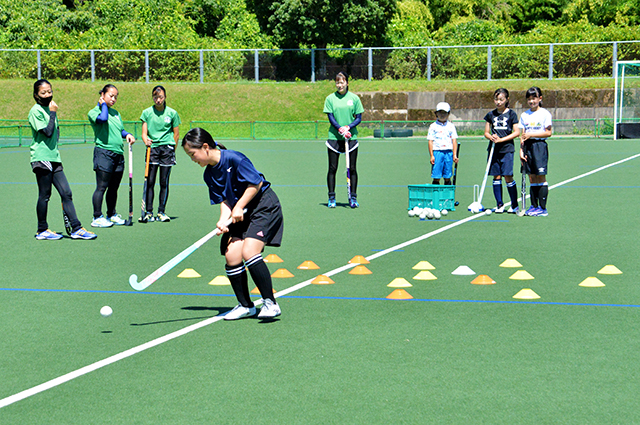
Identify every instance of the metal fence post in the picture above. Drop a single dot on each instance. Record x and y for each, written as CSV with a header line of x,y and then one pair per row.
x,y
370,63
489,63
313,65
256,66
201,67
551,61
39,65
428,63
93,67
615,59
146,65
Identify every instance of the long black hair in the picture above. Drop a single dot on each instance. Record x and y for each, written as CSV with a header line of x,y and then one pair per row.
x,y
197,137
503,91
36,88
534,91
106,88
156,90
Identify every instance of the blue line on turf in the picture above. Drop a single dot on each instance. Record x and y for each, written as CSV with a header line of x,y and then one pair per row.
x,y
312,297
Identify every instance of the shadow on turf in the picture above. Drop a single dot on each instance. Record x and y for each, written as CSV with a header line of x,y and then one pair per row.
x,y
338,204
219,311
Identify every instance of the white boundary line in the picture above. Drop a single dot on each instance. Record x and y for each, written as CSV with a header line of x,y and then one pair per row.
x,y
140,348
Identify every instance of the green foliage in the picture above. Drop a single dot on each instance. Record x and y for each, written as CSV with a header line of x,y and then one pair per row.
x,y
318,23
411,25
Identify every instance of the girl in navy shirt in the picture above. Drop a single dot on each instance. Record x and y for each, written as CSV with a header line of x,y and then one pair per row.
x,y
236,185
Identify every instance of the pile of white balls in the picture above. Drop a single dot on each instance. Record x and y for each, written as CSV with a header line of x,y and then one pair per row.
x,y
424,213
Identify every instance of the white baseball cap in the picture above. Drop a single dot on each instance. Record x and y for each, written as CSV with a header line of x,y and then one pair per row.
x,y
443,106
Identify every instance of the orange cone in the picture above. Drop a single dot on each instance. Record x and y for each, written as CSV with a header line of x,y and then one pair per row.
x,y
483,279
282,273
399,294
256,291
308,265
322,280
273,258
359,259
360,270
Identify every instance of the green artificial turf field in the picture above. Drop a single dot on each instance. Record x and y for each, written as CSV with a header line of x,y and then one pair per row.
x,y
340,353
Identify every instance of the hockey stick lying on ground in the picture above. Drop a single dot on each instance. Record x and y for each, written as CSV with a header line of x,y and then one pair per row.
x,y
147,281
143,208
129,221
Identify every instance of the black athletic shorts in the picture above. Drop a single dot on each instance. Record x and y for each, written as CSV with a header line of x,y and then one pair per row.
x,y
537,153
338,145
164,155
107,161
501,164
263,221
52,167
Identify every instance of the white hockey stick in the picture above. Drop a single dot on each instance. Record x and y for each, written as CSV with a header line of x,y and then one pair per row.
x,y
476,206
147,281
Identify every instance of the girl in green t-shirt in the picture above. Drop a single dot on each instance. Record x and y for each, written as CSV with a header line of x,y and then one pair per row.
x,y
47,165
160,134
344,110
108,156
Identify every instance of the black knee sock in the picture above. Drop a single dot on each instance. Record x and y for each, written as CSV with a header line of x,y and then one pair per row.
x,y
513,193
535,191
238,277
497,192
261,276
542,195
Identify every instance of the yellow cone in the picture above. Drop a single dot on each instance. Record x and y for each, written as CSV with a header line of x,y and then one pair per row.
x,y
272,258
610,269
399,294
308,265
322,280
360,270
591,282
399,282
423,265
220,281
521,275
483,279
187,273
425,275
510,262
282,273
526,294
358,259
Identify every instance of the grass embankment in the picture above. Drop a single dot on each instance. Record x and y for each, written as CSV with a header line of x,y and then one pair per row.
x,y
243,101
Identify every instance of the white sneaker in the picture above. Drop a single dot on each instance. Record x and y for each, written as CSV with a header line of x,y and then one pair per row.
x,y
499,210
116,219
269,310
101,222
240,312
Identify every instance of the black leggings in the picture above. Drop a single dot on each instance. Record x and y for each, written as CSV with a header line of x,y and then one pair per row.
x,y
109,183
165,172
333,168
46,179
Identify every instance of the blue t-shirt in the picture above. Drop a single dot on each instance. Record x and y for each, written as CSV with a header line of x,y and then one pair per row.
x,y
229,178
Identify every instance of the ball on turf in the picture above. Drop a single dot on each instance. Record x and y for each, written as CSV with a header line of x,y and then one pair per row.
x,y
106,311
423,215
412,213
436,215
444,212
488,211
429,213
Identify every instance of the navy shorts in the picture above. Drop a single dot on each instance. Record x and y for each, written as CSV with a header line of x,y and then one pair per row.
x,y
164,155
263,221
107,161
537,153
501,164
443,164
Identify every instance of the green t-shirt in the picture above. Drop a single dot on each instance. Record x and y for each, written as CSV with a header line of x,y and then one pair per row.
x,y
160,125
43,148
344,108
108,135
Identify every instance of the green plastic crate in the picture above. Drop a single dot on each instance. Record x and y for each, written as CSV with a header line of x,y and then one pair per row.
x,y
440,197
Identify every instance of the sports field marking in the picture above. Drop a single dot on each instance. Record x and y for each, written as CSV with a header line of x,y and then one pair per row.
x,y
135,350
